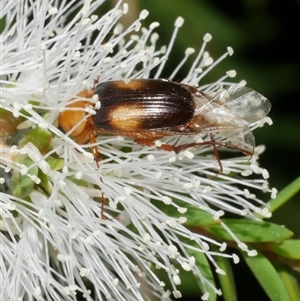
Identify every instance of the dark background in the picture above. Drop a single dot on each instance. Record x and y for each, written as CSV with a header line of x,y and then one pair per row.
x,y
265,37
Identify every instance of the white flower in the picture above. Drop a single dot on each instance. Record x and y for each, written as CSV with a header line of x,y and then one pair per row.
x,y
54,243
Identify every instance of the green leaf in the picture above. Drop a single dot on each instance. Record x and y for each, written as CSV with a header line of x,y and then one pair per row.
x,y
22,185
198,218
2,24
268,277
289,280
285,194
226,281
8,123
55,164
287,248
203,264
41,138
250,231
24,112
23,188
195,216
45,182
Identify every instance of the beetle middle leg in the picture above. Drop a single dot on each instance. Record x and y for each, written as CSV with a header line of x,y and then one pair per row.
x,y
182,147
149,142
178,149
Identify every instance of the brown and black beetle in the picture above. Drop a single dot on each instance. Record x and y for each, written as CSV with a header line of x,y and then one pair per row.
x,y
149,109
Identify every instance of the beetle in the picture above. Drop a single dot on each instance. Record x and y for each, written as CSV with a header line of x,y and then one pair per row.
x,y
149,109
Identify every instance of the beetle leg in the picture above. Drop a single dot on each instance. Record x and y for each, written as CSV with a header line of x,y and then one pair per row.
x,y
182,147
95,150
216,153
149,142
89,135
178,149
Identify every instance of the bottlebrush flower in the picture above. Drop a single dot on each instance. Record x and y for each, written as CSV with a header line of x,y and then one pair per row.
x,y
54,243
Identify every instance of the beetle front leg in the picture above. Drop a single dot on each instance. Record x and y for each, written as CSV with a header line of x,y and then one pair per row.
x,y
89,135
